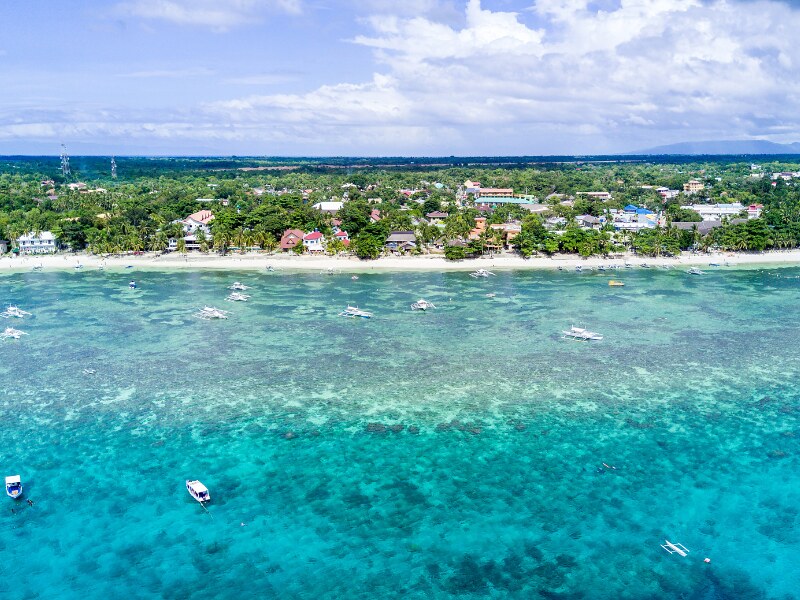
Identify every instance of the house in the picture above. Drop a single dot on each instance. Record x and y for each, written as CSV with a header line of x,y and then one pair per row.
x,y
693,186
436,217
401,241
343,237
375,215
495,193
705,226
330,208
314,242
507,231
754,211
3,246
200,220
536,208
589,222
76,186
291,238
37,243
666,193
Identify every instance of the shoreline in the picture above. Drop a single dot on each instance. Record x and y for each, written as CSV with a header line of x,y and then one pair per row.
x,y
425,263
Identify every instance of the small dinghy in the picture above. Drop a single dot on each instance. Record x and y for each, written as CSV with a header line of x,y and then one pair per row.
x,y
198,491
13,486
132,285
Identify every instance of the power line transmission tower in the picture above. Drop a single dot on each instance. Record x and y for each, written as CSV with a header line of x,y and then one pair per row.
x,y
64,161
113,168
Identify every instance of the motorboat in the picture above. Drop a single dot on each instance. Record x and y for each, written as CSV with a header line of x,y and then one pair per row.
x,y
695,271
89,371
481,273
13,486
11,333
713,264
13,311
422,305
583,335
355,312
210,312
354,278
491,295
238,286
132,285
198,491
615,283
78,267
237,297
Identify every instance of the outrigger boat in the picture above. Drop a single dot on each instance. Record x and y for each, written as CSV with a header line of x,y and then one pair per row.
x,y
209,312
481,273
237,297
238,287
13,486
695,271
580,334
354,311
615,283
198,491
13,311
11,333
422,305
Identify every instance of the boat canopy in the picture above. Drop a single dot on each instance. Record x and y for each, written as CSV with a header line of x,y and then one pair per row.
x,y
13,479
198,487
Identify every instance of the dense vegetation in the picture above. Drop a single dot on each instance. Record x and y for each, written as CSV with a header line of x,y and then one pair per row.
x,y
264,197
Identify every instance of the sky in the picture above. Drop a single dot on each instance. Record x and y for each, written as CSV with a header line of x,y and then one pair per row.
x,y
394,77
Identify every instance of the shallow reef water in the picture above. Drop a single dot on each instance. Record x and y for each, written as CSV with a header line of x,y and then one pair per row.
x,y
467,451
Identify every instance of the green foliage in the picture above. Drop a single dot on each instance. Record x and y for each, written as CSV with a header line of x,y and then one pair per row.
x,y
454,253
367,245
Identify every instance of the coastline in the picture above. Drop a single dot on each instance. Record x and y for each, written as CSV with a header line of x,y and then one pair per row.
x,y
284,262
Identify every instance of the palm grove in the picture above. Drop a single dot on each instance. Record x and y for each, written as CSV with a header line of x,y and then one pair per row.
x,y
140,210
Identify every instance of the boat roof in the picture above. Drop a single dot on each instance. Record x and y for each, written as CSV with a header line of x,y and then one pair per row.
x,y
12,479
197,486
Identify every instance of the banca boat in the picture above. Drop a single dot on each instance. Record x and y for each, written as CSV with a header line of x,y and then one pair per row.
x,y
11,333
695,271
355,312
13,311
481,273
422,305
581,334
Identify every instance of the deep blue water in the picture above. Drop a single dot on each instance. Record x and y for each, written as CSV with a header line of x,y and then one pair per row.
x,y
453,453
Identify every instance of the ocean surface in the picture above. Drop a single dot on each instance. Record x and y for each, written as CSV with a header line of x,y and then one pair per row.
x,y
465,452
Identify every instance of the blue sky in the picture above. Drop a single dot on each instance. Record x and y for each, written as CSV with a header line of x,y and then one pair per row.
x,y
384,77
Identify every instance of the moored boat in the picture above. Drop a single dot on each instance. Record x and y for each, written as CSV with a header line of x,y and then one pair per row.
x,y
581,334
422,305
13,486
481,273
615,283
355,312
197,491
695,271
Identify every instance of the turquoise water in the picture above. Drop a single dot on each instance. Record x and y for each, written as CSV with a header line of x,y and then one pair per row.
x,y
453,453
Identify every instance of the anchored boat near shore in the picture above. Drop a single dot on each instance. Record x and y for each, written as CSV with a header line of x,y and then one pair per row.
x,y
582,335
355,312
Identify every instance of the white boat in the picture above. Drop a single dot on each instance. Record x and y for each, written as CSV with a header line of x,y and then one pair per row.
x,y
584,335
38,267
422,305
89,371
492,295
11,333
695,271
78,266
198,491
354,311
354,278
210,312
13,486
481,273
132,285
238,287
675,548
237,297
13,311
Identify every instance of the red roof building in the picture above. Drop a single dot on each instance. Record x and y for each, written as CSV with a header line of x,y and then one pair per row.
x,y
291,238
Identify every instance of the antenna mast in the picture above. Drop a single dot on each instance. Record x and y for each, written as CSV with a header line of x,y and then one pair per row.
x,y
113,168
64,161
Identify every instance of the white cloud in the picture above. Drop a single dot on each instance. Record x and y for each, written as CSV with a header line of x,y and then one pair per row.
x,y
219,15
634,74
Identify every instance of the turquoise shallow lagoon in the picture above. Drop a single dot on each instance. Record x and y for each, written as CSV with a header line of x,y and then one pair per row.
x,y
453,453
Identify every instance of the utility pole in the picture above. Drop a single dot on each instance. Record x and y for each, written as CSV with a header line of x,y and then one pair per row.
x,y
64,161
113,168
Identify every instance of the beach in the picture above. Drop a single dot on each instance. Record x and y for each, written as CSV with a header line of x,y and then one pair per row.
x,y
350,264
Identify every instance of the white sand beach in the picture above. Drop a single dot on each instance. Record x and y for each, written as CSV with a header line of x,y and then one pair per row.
x,y
256,261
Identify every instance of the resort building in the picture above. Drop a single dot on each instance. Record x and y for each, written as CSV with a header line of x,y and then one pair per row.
x,y
314,242
330,208
201,220
37,243
343,237
291,238
716,212
693,186
590,221
602,196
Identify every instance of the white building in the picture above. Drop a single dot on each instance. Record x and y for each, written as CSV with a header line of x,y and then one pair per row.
x,y
328,207
42,243
715,212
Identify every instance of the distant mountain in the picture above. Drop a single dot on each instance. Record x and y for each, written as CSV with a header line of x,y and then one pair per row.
x,y
723,147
